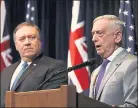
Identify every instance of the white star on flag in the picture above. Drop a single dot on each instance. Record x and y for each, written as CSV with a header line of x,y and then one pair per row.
x,y
28,6
130,38
127,2
125,12
31,12
32,8
32,18
120,10
128,49
126,15
27,16
131,27
132,16
124,23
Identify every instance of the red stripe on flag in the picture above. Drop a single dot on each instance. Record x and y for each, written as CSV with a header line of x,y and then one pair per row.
x,y
4,45
85,48
5,50
82,73
73,49
2,64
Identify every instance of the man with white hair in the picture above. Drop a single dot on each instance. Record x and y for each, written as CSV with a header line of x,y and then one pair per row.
x,y
115,81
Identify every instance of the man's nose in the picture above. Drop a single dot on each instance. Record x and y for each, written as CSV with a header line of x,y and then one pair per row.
x,y
95,38
27,41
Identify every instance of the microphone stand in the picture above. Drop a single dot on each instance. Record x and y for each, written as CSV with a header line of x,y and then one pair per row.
x,y
87,63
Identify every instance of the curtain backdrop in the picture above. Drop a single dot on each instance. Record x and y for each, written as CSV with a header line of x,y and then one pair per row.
x,y
54,20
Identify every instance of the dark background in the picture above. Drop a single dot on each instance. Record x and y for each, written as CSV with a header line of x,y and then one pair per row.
x,y
54,20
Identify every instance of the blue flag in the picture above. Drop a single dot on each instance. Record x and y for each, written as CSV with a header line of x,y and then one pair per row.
x,y
125,14
31,12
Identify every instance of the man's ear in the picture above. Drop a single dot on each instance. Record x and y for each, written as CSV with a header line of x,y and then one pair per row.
x,y
118,36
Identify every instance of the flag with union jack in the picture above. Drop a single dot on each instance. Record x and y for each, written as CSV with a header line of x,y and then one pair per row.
x,y
5,58
77,52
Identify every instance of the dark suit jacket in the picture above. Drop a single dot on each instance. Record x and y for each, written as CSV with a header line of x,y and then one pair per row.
x,y
41,69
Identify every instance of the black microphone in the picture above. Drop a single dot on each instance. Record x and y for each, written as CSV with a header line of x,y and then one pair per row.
x,y
87,63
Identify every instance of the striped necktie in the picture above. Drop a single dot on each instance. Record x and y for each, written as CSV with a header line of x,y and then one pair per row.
x,y
23,68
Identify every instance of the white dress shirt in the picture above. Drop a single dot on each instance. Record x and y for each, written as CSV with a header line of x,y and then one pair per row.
x,y
17,70
115,53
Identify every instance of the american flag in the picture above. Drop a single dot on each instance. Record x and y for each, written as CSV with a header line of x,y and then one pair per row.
x,y
31,11
125,14
77,52
5,58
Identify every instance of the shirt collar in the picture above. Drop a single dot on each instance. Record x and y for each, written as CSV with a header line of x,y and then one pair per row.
x,y
22,61
116,52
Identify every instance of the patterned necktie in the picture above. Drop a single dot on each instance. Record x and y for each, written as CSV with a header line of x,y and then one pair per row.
x,y
101,74
23,68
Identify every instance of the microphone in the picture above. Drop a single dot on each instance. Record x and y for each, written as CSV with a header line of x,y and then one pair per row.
x,y
87,63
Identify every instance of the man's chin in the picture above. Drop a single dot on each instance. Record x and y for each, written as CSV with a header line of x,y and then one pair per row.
x,y
100,53
30,55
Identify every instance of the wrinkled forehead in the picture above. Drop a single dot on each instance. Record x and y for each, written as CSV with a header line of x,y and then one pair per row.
x,y
26,30
100,24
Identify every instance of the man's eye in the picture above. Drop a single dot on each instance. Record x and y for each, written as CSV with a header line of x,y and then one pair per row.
x,y
33,37
98,32
93,33
21,39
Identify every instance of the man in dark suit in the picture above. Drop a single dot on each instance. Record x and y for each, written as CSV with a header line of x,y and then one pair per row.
x,y
34,68
118,85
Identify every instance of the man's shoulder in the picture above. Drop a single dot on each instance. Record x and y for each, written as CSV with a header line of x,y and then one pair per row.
x,y
131,57
12,65
128,59
126,55
9,69
49,61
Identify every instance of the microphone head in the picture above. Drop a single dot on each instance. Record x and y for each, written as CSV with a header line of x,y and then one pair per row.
x,y
91,61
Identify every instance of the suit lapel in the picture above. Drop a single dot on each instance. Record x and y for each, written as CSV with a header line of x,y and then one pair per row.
x,y
27,72
93,81
10,74
112,68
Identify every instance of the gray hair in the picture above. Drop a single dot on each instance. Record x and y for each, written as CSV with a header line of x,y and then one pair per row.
x,y
114,20
25,24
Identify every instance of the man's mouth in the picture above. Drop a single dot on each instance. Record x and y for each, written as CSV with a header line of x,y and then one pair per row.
x,y
28,49
98,46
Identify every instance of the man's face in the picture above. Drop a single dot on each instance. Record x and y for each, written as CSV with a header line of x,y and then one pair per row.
x,y
105,38
27,42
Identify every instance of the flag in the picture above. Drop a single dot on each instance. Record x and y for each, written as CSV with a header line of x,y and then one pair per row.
x,y
5,57
125,14
77,52
31,12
